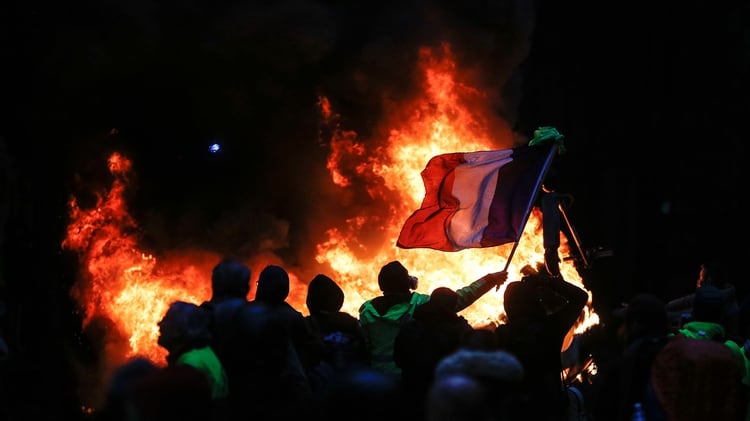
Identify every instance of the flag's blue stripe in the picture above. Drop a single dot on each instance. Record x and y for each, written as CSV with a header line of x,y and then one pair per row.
x,y
514,191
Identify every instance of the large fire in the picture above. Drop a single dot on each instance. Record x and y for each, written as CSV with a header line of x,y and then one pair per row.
x,y
124,285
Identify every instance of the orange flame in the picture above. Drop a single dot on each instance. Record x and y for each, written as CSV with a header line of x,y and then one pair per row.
x,y
439,122
121,282
125,285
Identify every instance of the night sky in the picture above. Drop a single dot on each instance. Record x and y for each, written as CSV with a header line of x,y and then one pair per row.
x,y
650,97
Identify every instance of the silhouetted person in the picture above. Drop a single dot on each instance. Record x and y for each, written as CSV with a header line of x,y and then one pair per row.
x,y
708,316
341,334
363,394
288,347
173,393
118,404
272,291
457,397
625,379
266,380
434,331
499,374
710,273
699,373
381,317
541,310
698,379
184,332
230,285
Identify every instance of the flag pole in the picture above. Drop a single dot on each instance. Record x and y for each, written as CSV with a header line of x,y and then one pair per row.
x,y
537,187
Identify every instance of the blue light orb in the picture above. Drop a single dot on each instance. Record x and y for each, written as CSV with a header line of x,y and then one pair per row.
x,y
214,148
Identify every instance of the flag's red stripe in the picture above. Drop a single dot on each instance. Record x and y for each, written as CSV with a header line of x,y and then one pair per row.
x,y
437,206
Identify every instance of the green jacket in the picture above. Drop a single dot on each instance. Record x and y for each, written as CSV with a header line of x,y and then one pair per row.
x,y
205,360
703,330
381,329
740,352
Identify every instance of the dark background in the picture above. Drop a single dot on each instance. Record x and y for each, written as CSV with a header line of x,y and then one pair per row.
x,y
650,97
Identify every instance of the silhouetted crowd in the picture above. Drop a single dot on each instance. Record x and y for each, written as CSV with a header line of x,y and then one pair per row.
x,y
412,356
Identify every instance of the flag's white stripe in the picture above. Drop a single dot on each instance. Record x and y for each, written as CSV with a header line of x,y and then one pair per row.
x,y
474,187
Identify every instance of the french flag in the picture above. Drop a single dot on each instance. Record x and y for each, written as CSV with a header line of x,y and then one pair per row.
x,y
477,199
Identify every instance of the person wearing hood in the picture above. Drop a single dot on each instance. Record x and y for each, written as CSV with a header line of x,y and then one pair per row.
x,y
707,319
253,342
641,327
184,333
272,292
381,317
230,285
434,331
340,332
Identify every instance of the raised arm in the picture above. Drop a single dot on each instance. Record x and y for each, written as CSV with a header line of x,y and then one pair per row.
x,y
475,290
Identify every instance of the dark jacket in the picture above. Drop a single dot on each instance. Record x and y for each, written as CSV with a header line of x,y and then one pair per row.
x,y
341,334
541,311
434,332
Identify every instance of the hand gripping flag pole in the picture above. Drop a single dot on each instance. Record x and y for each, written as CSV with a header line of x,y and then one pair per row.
x,y
541,135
